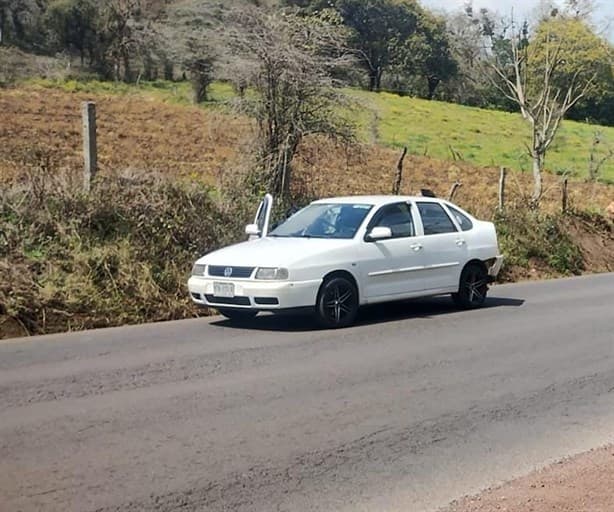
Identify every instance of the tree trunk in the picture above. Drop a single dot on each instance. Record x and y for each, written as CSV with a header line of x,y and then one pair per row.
x,y
538,165
169,71
127,68
149,68
372,81
2,25
18,27
375,79
199,88
281,169
433,82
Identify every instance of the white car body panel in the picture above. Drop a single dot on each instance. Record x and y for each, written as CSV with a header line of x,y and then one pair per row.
x,y
388,269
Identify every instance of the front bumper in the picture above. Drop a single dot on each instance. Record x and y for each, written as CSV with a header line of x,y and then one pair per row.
x,y
289,294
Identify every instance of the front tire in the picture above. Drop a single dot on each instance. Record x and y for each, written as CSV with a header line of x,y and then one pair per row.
x,y
472,288
238,315
337,303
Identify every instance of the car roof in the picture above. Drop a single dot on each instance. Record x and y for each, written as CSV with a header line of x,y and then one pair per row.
x,y
375,200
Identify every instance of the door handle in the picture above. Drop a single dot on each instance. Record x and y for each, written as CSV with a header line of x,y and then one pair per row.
x,y
416,247
460,242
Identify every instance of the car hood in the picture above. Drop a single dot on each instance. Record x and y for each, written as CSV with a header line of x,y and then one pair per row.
x,y
272,252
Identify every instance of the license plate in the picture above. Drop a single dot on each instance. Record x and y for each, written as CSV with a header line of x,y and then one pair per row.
x,y
223,289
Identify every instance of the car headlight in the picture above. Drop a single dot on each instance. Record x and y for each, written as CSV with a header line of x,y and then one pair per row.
x,y
272,274
199,270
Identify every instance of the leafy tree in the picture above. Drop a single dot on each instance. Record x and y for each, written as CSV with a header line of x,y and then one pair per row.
x,y
428,53
188,37
534,83
19,22
583,56
379,30
73,23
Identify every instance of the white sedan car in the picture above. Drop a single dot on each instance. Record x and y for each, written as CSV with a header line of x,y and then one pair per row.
x,y
338,254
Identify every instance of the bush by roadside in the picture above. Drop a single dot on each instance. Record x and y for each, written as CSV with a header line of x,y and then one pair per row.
x,y
122,254
537,244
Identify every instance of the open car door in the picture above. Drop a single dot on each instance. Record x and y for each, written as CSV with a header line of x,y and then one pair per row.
x,y
260,227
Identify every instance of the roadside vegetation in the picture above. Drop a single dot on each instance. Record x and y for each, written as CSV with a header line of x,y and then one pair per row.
x,y
73,261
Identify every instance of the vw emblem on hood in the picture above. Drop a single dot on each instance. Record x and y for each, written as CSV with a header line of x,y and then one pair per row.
x,y
227,271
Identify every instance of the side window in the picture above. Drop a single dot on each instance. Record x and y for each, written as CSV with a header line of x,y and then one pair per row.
x,y
397,217
464,221
434,219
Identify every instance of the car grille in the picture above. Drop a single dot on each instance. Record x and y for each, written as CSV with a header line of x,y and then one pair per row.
x,y
235,272
235,301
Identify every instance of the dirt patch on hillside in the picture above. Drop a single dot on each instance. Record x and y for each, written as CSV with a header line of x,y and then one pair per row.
x,y
581,484
341,169
595,237
134,132
144,133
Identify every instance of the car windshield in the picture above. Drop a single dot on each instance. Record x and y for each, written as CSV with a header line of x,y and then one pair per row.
x,y
324,220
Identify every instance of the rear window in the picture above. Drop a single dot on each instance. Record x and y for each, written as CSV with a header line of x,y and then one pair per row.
x,y
463,221
435,220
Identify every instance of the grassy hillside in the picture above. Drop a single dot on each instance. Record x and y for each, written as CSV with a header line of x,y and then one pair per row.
x,y
153,128
445,131
482,137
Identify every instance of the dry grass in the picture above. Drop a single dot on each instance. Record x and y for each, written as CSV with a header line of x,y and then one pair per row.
x,y
133,132
330,169
137,132
122,255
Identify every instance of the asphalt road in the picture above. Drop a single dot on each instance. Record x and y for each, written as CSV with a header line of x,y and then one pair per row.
x,y
417,405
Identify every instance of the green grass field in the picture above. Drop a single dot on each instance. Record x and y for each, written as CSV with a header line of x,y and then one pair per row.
x,y
483,137
441,130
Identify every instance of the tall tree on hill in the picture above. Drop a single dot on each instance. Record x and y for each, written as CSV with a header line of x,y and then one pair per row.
x,y
288,61
117,35
543,101
379,30
19,22
427,53
73,25
189,41
583,56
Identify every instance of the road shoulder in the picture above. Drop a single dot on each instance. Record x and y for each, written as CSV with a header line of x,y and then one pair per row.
x,y
582,483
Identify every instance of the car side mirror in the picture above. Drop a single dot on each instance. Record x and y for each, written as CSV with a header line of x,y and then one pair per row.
x,y
379,233
252,230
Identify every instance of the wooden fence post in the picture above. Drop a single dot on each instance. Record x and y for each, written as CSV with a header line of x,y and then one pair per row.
x,y
455,187
502,188
564,198
90,156
396,187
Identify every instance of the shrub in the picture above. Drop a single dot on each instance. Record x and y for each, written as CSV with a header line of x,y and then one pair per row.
x,y
527,236
120,255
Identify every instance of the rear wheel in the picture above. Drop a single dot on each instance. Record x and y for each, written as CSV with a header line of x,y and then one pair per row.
x,y
337,304
472,288
238,315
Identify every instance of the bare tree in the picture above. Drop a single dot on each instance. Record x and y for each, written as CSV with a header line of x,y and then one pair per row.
x,y
288,61
543,103
127,35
